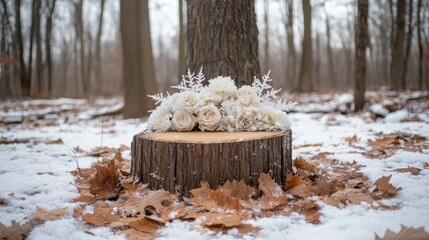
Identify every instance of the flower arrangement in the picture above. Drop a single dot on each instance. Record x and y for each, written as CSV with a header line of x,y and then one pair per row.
x,y
219,106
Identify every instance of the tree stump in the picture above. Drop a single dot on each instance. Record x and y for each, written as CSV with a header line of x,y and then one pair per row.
x,y
178,161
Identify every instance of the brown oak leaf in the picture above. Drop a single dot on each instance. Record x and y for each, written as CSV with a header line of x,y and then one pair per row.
x,y
102,215
406,233
413,170
105,181
213,200
49,215
300,163
385,189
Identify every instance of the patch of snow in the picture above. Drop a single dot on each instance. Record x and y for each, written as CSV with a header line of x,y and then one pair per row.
x,y
397,116
379,110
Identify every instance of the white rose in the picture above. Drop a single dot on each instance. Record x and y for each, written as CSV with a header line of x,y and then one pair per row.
x,y
275,119
186,100
159,119
209,118
219,89
246,119
247,96
183,121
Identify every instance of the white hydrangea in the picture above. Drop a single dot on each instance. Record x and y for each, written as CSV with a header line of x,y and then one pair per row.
x,y
219,89
160,119
247,96
186,100
275,119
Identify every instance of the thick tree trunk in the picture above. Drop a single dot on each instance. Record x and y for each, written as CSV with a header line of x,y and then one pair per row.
x,y
138,70
397,66
291,67
182,59
48,46
332,75
360,47
38,37
98,49
266,37
420,43
223,39
305,82
408,42
25,78
178,161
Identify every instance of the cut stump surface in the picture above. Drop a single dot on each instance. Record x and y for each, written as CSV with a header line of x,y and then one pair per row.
x,y
178,161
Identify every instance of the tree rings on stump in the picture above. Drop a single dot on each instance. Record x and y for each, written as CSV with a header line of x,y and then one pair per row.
x,y
178,161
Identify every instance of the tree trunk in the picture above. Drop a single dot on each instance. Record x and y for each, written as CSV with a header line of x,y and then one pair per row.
x,y
266,38
138,69
397,65
360,47
48,46
7,60
38,37
223,39
408,42
98,50
182,59
420,45
291,67
330,56
178,161
25,79
305,83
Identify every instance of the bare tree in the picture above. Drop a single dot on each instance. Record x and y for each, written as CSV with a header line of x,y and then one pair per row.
x,y
98,49
291,67
25,79
360,47
182,59
420,45
397,65
266,37
223,38
305,83
38,37
409,40
6,59
138,69
332,75
48,42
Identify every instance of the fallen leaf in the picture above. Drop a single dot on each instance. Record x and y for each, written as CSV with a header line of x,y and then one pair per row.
x,y
49,215
58,141
133,234
293,180
300,163
239,189
323,186
385,142
146,225
17,231
3,202
101,216
274,197
160,201
406,233
268,186
302,191
351,140
105,181
212,200
45,173
384,188
227,220
413,170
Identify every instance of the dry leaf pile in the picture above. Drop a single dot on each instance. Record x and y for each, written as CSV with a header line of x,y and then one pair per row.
x,y
109,197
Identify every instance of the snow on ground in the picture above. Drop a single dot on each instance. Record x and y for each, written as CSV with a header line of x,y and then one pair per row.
x,y
36,174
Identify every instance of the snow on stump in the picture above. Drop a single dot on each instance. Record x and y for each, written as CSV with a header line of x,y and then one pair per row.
x,y
178,161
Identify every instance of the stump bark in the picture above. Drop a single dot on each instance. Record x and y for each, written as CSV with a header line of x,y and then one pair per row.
x,y
178,161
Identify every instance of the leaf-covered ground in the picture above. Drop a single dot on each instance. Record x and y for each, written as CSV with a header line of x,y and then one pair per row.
x,y
65,175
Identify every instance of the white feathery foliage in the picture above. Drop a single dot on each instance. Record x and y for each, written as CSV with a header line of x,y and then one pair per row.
x,y
191,82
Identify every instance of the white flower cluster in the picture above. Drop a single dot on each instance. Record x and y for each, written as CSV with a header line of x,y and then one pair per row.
x,y
220,106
